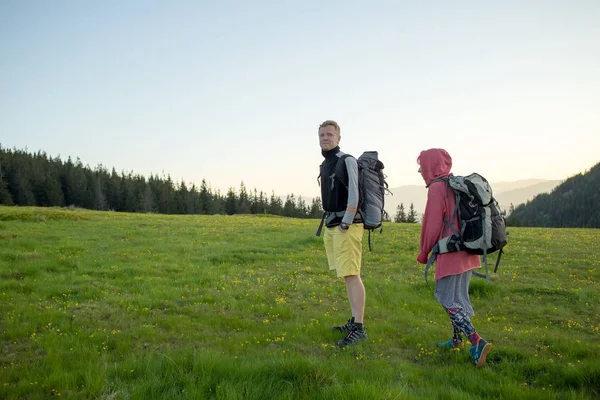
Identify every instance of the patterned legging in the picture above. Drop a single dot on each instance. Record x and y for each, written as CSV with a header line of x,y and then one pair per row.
x,y
460,322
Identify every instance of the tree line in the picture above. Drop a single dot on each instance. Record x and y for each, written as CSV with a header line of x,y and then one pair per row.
x,y
575,203
403,216
39,180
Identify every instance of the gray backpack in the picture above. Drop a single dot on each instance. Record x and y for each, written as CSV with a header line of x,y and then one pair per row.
x,y
482,225
372,188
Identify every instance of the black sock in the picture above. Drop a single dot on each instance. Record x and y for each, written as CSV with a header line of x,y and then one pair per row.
x,y
360,327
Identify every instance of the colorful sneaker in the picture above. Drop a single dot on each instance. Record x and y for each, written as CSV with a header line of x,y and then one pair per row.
x,y
479,352
451,343
346,328
353,337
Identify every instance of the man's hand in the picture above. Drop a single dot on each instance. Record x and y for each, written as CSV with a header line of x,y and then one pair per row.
x,y
343,227
422,258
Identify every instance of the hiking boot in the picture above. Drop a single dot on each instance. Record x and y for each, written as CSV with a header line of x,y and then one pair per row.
x,y
451,344
346,328
353,337
479,352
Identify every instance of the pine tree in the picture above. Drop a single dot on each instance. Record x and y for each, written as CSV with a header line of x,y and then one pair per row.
x,y
316,209
194,199
254,206
412,214
205,199
5,196
185,199
289,207
231,202
19,184
99,197
166,196
400,213
275,205
217,205
112,185
147,200
53,192
127,194
243,206
301,209
511,209
263,201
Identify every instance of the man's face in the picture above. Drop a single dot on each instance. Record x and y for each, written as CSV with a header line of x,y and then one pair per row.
x,y
328,138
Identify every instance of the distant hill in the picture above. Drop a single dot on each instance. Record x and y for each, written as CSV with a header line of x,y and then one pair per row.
x,y
500,187
506,193
575,203
523,194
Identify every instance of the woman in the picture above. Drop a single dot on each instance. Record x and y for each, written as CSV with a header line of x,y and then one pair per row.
x,y
453,270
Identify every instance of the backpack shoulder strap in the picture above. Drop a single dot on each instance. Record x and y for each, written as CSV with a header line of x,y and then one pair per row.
x,y
320,173
442,179
449,224
341,171
321,224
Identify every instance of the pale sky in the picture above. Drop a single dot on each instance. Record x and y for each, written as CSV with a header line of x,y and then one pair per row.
x,y
234,91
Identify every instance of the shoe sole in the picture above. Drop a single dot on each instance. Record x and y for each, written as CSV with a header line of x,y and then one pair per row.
x,y
484,352
451,347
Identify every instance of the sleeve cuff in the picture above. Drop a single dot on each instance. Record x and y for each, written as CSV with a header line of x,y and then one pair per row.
x,y
422,258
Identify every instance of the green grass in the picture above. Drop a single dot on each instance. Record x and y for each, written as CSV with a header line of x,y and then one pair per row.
x,y
128,306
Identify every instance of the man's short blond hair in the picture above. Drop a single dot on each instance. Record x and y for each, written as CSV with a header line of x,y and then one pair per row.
x,y
331,122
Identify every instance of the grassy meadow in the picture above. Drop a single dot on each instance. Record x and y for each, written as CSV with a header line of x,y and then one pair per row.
x,y
102,305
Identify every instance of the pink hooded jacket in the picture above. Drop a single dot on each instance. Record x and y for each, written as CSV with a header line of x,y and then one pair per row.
x,y
437,163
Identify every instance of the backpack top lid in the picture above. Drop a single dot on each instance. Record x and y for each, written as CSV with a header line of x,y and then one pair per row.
x,y
474,185
368,159
369,155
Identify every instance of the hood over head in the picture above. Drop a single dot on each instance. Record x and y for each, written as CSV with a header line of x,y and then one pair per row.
x,y
435,163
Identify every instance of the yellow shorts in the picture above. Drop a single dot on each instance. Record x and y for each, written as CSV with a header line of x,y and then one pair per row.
x,y
344,250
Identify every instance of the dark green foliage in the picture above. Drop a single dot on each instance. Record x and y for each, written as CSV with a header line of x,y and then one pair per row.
x,y
204,201
316,209
400,213
5,196
38,180
573,204
411,217
243,200
275,205
402,216
231,202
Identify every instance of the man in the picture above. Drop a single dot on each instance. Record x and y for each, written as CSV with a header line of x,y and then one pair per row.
x,y
344,232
